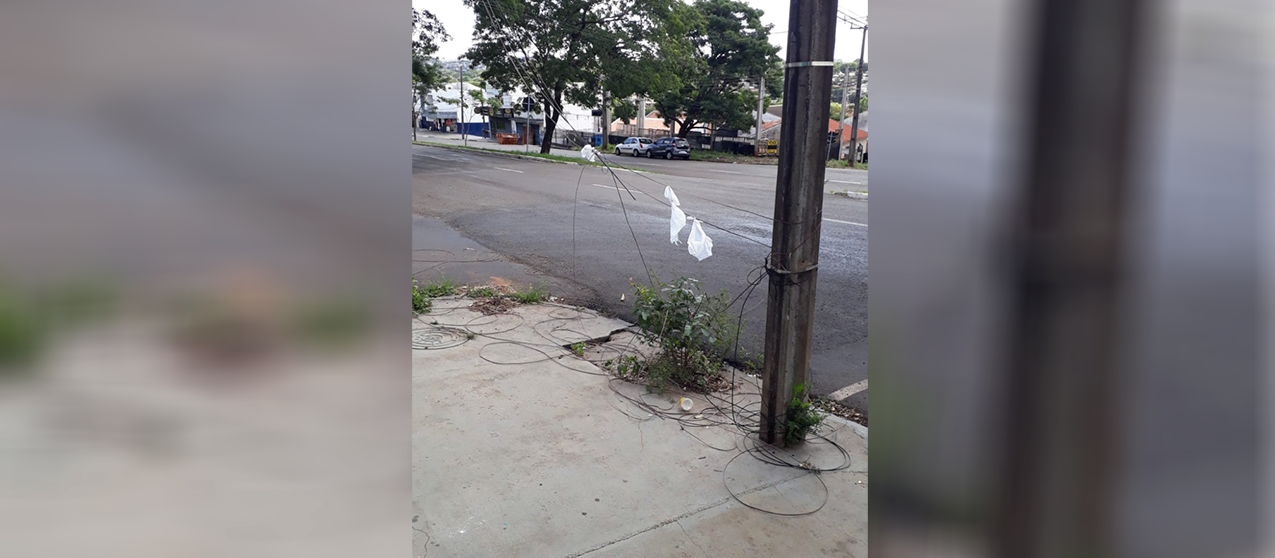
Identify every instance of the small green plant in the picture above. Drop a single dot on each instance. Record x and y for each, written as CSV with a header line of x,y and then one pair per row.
x,y
421,303
421,295
801,417
626,367
482,292
442,287
533,295
578,349
686,325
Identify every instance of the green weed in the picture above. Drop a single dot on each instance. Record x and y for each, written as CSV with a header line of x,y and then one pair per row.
x,y
533,295
801,417
482,292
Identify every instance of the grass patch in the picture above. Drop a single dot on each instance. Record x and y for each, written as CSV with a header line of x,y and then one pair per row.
x,y
536,154
578,349
840,164
442,287
422,295
482,292
727,157
533,295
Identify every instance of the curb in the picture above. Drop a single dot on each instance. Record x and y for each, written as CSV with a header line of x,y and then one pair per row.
x,y
851,195
857,428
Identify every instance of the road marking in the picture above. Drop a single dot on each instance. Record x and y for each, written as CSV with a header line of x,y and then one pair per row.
x,y
605,186
731,172
846,181
510,170
857,387
844,222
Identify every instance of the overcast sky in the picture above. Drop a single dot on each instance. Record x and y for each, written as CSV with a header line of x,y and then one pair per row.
x,y
459,21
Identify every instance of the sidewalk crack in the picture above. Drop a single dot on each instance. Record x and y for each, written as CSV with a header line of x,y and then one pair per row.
x,y
688,537
690,513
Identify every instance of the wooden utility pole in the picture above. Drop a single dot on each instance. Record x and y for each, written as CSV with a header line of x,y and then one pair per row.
x,y
1063,336
858,84
794,257
758,147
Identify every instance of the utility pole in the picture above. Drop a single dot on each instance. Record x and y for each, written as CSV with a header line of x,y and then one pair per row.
x,y
1068,269
858,84
641,115
794,257
761,94
841,122
606,118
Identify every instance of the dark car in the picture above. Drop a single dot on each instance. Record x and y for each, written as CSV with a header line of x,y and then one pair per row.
x,y
669,148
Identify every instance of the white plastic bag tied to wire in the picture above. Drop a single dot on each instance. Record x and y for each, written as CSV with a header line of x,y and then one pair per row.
x,y
589,154
699,244
677,221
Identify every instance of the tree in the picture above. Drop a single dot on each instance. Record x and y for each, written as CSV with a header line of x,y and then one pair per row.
x,y
728,49
863,102
481,99
574,49
427,31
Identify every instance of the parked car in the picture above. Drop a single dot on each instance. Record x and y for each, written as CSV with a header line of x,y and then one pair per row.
x,y
634,146
669,148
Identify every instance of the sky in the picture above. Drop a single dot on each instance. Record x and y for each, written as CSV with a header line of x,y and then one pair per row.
x,y
459,21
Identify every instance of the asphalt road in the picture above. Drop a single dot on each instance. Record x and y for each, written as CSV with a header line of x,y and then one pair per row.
x,y
524,210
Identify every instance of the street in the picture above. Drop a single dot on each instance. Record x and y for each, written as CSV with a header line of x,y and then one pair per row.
x,y
524,210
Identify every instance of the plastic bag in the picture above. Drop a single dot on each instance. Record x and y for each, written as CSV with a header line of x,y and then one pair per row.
x,y
677,220
589,153
670,196
699,244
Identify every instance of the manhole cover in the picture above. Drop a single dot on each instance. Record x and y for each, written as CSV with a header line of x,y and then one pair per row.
x,y
438,338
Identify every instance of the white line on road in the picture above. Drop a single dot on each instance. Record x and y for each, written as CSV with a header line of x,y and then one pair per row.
x,y
730,172
846,181
605,186
844,222
510,170
857,387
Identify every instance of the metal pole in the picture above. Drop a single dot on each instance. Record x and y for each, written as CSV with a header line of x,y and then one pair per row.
x,y
761,95
858,84
794,256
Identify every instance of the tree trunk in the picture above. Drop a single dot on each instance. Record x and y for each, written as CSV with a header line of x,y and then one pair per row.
x,y
551,124
685,129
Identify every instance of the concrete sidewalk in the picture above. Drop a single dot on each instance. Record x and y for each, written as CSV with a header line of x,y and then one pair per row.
x,y
522,448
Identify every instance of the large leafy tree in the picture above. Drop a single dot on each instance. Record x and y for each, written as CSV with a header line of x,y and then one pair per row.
x,y
725,50
572,50
427,32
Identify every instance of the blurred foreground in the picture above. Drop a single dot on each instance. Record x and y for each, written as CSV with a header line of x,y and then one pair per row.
x,y
198,279
1067,278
